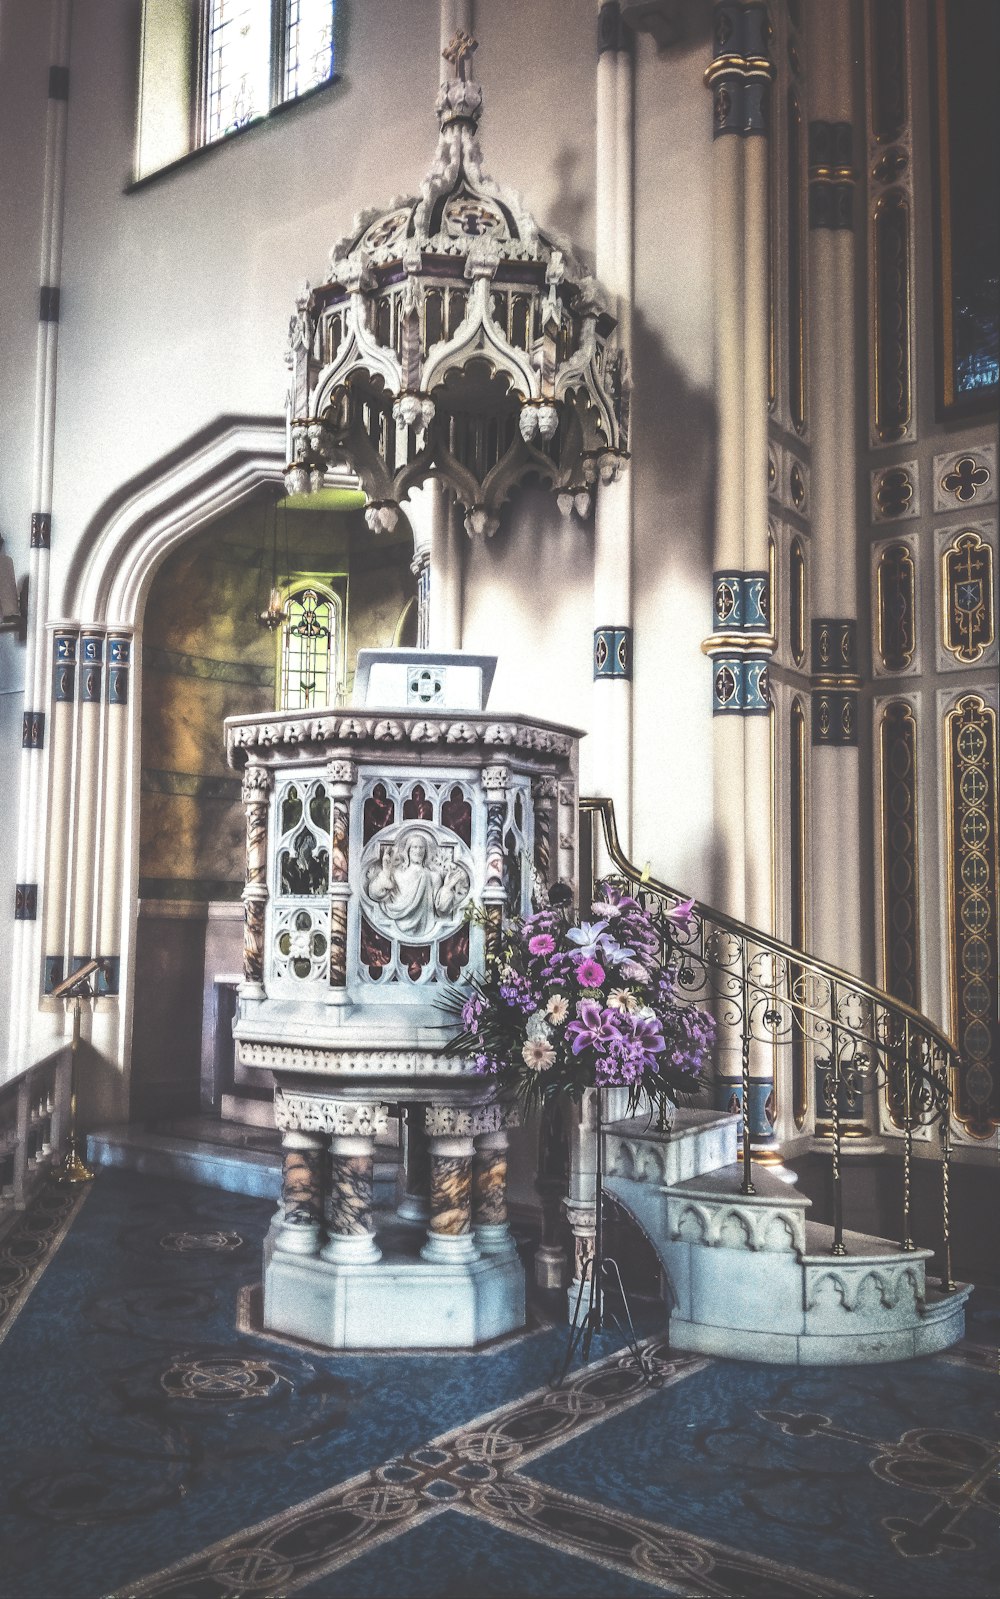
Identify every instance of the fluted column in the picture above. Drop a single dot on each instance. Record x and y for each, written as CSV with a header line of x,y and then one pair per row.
x,y
90,687
611,728
742,639
256,797
117,682
65,648
835,808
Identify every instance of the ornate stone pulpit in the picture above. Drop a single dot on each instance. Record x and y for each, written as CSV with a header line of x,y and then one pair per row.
x,y
371,834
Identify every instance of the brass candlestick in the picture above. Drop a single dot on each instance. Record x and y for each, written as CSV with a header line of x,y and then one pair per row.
x,y
74,1167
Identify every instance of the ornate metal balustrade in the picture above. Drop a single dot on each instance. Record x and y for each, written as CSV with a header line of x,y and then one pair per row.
x,y
766,994
34,1110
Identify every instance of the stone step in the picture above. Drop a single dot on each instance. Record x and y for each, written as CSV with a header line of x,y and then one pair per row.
x,y
215,1154
699,1141
749,1278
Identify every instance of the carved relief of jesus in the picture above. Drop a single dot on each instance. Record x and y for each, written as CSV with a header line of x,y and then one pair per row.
x,y
417,887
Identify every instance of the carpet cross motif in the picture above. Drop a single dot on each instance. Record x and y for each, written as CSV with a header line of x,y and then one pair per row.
x,y
958,1469
476,1470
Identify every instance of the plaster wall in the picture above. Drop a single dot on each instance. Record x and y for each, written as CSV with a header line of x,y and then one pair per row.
x,y
176,295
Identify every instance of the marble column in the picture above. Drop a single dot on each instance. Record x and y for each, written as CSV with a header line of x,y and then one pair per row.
x,y
341,774
449,1237
256,793
415,1204
349,1201
489,1194
496,780
301,1212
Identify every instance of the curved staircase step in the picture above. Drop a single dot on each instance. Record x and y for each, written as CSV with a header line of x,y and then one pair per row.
x,y
698,1142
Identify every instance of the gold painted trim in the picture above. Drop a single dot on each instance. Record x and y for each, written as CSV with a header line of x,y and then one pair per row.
x,y
977,703
953,549
832,175
845,680
742,643
724,66
880,566
797,579
893,198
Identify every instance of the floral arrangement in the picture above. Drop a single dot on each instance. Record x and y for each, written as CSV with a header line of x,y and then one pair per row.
x,y
566,1007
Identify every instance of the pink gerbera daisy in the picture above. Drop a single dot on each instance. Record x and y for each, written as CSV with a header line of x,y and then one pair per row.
x,y
590,974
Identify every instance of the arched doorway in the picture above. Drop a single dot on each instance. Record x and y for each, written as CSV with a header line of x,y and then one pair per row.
x,y
206,656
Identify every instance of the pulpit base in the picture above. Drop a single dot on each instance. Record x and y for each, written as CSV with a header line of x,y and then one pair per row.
x,y
397,1303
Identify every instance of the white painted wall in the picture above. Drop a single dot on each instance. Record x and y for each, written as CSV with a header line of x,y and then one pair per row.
x,y
176,296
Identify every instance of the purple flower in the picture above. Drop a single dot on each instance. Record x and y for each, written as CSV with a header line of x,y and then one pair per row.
x,y
589,974
594,1029
542,944
682,914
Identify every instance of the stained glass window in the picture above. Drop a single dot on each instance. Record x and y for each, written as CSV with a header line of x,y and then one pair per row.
x,y
259,53
310,649
239,64
308,45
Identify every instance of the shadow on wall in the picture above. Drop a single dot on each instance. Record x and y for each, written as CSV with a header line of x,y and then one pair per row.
x,y
674,442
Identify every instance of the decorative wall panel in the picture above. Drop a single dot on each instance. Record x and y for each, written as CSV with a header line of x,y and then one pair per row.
x,y
895,608
971,772
797,600
895,492
965,478
900,894
796,277
967,598
891,311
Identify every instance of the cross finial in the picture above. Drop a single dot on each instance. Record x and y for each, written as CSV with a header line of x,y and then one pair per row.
x,y
459,51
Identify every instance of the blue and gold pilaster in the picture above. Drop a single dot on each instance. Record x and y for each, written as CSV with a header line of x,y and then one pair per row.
x,y
740,72
33,730
25,902
741,643
91,668
119,666
831,175
613,33
835,682
612,654
64,667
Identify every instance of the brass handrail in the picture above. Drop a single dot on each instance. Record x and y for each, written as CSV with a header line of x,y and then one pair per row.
x,y
860,1026
796,957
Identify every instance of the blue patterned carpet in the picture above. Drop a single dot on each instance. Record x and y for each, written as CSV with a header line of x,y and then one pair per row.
x,y
151,1446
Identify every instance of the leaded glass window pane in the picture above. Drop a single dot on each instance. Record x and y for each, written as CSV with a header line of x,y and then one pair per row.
x,y
308,649
308,45
239,64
